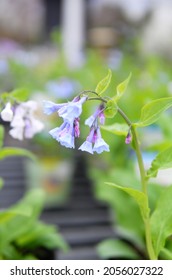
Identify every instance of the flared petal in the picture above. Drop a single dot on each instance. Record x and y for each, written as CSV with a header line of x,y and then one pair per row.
x,y
86,147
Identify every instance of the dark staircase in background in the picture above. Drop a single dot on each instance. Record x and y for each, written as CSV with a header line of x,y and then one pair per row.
x,y
12,171
82,221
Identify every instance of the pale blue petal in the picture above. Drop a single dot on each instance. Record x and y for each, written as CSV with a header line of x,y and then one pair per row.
x,y
67,140
55,132
86,147
100,146
71,111
51,107
90,121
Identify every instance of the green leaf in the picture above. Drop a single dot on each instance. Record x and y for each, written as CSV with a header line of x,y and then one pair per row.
x,y
114,197
23,207
151,112
8,151
111,109
165,254
103,84
162,161
11,253
20,94
5,97
121,88
114,248
1,135
42,235
138,196
12,226
161,220
117,128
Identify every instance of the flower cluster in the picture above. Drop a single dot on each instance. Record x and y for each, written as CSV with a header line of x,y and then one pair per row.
x,y
22,120
69,130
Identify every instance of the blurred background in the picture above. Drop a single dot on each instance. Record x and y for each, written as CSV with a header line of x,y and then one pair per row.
x,y
55,49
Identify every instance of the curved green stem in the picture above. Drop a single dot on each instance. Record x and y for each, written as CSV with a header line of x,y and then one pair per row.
x,y
97,98
149,245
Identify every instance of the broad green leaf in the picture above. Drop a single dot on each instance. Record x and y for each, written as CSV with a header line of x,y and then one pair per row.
x,y
151,112
8,151
23,207
111,109
138,196
18,209
114,197
9,252
162,161
103,84
114,248
121,88
20,94
117,128
1,135
161,220
42,235
15,226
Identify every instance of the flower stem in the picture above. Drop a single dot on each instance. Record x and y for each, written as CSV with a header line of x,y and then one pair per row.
x,y
144,190
149,245
97,98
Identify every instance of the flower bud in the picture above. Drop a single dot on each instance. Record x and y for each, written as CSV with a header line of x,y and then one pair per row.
x,y
128,138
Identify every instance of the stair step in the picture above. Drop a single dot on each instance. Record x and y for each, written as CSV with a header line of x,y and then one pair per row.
x,y
87,234
85,203
81,253
73,218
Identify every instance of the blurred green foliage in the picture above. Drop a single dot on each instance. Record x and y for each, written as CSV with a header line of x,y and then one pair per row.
x,y
22,234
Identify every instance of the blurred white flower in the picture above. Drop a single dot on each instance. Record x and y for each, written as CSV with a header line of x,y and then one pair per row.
x,y
7,113
24,124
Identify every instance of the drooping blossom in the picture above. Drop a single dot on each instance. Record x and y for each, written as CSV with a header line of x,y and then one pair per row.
x,y
99,144
7,113
51,107
68,111
69,130
94,142
99,113
24,124
66,133
87,146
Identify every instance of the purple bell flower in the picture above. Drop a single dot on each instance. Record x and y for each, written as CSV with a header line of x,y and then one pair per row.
x,y
95,138
100,145
66,133
68,111
87,145
51,107
72,110
97,114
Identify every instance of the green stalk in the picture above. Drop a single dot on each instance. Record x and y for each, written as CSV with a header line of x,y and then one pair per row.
x,y
149,245
144,190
